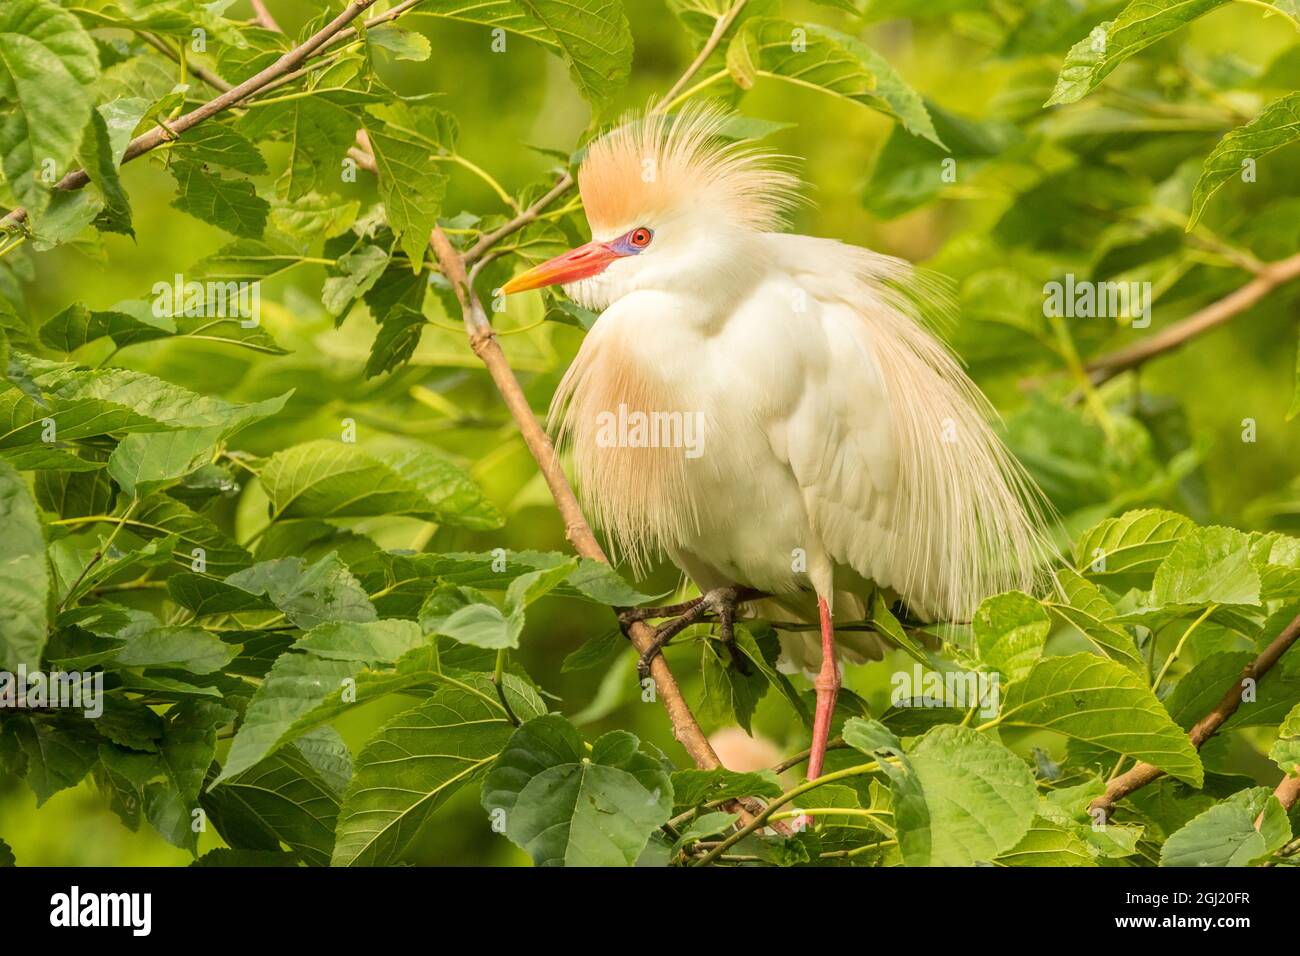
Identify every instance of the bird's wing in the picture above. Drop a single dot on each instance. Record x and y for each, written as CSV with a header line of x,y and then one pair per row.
x,y
903,478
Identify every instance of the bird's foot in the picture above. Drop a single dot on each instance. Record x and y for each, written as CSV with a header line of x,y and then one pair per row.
x,y
719,602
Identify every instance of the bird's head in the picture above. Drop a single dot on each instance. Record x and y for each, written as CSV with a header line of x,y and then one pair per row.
x,y
672,205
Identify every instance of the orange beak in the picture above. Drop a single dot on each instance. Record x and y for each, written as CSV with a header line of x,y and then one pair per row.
x,y
575,264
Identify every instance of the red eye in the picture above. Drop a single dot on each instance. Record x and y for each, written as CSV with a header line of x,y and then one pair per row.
x,y
640,237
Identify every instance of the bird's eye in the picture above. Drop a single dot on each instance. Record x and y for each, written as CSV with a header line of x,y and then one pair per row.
x,y
640,237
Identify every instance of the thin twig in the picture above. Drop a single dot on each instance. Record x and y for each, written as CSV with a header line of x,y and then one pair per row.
x,y
566,181
1205,728
719,31
264,18
1271,276
158,135
483,341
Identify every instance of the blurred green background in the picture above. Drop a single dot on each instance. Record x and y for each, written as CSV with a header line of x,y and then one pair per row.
x,y
507,102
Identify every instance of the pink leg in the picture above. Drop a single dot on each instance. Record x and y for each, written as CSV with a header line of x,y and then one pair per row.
x,y
828,688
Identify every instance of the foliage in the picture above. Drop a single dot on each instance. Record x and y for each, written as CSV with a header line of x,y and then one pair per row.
x,y
274,528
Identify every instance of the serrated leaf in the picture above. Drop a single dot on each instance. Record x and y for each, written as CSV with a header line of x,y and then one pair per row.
x,y
316,679
1101,702
1225,834
417,760
1277,125
693,788
410,185
283,799
48,67
960,798
822,58
1207,566
1048,844
1136,541
336,479
1285,751
229,204
307,594
595,40
219,144
1138,25
1010,631
566,810
24,580
1087,609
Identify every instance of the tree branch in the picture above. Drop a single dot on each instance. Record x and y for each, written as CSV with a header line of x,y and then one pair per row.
x,y
482,340
1205,728
566,181
1212,316
331,32
264,18
719,31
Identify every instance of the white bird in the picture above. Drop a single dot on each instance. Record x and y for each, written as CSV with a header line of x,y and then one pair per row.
x,y
838,444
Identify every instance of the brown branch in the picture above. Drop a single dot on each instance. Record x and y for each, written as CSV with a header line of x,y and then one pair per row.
x,y
482,340
565,182
196,70
1205,728
264,18
720,28
326,35
1212,316
1288,792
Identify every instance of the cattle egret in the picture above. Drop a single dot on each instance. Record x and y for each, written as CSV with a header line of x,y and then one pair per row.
x,y
770,410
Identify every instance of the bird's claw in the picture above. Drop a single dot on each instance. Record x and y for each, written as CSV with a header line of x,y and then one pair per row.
x,y
719,601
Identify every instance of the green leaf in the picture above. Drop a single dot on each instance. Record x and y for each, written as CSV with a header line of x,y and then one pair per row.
x,y
960,798
693,788
1135,542
417,760
595,40
48,68
229,204
56,758
336,479
308,594
410,185
147,461
1138,25
1207,566
565,809
1285,751
218,144
1080,695
283,799
319,678
76,325
358,271
187,648
821,58
403,44
399,334
24,580
160,516
1087,609
102,148
883,620
318,133
1225,834
1048,844
1010,631
1277,125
